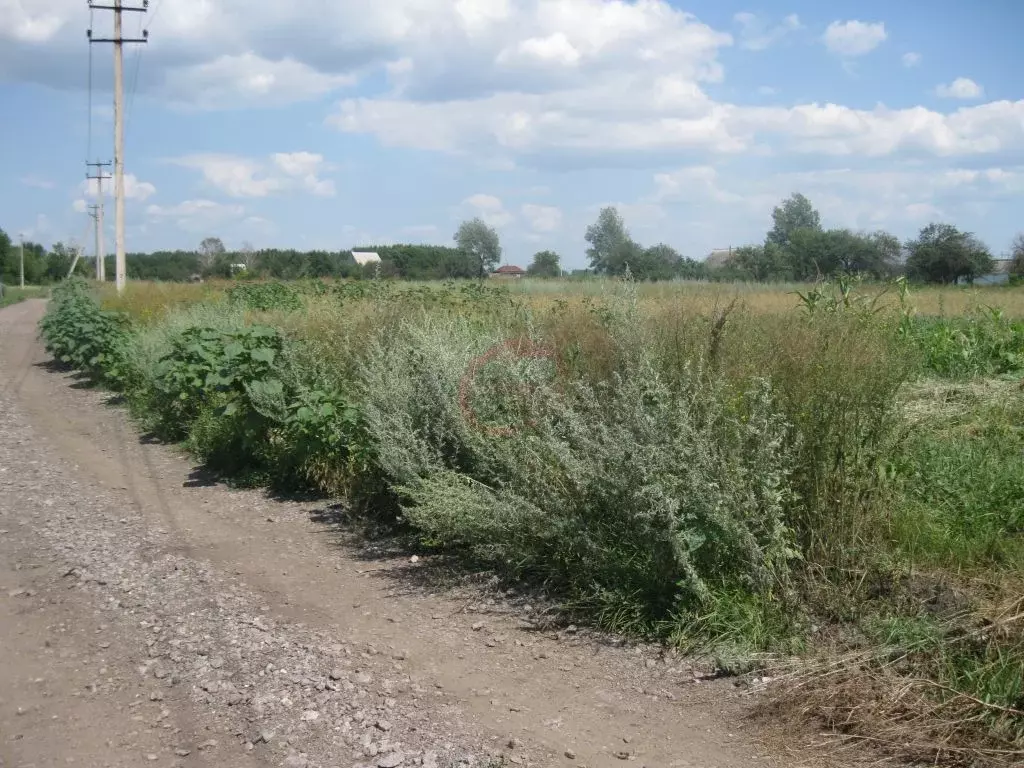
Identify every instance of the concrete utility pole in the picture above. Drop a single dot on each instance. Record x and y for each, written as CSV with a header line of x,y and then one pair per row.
x,y
119,40
96,211
96,214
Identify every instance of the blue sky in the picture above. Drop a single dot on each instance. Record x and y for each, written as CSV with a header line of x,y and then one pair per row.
x,y
327,125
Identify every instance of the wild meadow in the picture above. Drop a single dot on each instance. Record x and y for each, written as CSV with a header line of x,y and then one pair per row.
x,y
825,480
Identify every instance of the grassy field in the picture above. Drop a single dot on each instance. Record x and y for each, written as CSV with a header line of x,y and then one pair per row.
x,y
825,479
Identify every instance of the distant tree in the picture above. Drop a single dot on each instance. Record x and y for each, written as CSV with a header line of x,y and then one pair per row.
x,y
762,263
247,255
796,212
58,262
659,262
611,247
545,264
1017,255
209,249
943,254
480,243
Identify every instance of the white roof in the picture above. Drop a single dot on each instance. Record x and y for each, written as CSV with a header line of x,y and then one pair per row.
x,y
365,257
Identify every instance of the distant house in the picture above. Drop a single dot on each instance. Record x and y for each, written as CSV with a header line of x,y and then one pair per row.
x,y
1000,274
509,271
719,258
366,257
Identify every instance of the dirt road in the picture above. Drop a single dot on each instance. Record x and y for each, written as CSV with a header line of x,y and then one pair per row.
x,y
149,616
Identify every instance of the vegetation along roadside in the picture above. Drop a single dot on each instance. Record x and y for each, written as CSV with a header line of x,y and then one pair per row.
x,y
828,483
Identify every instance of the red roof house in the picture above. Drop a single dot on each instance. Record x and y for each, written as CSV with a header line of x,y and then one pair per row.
x,y
509,270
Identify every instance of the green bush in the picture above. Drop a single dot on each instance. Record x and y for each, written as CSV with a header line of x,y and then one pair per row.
x,y
86,338
984,344
266,296
621,493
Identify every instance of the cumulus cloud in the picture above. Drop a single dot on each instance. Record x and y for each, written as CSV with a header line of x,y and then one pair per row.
x,y
756,34
542,218
238,176
197,216
854,38
233,81
489,208
911,59
133,188
961,88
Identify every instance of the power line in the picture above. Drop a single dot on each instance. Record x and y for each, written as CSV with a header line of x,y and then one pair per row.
x,y
118,40
143,33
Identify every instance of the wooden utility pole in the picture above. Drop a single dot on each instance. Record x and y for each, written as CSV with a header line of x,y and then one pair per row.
x,y
96,211
119,40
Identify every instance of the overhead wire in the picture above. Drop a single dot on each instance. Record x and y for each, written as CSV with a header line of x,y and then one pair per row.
x,y
134,81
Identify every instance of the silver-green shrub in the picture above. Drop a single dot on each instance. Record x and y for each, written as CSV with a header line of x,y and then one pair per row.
x,y
655,494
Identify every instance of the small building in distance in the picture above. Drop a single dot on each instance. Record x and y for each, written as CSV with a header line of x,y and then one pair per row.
x,y
366,257
509,271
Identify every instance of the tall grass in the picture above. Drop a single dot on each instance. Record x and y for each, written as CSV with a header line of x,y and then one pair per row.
x,y
704,464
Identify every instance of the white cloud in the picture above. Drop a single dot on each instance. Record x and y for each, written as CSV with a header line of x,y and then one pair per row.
x,y
854,38
79,206
911,59
767,90
542,218
489,208
232,81
197,216
24,24
238,176
757,35
133,188
304,167
961,88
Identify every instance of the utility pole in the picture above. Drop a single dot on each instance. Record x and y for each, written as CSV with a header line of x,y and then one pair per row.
x,y
119,40
97,215
21,260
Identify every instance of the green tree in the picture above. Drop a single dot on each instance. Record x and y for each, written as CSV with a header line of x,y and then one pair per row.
x,y
480,243
659,262
1017,255
209,250
545,264
795,213
943,254
59,260
611,247
763,263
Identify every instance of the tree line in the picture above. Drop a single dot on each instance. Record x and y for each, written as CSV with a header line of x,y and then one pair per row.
x,y
796,248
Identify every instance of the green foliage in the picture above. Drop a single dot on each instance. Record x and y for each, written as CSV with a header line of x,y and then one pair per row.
x,y
943,254
985,343
545,264
610,243
81,335
480,244
265,297
795,213
1017,256
623,492
423,262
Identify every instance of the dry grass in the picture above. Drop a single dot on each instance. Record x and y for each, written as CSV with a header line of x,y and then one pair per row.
x,y
901,702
